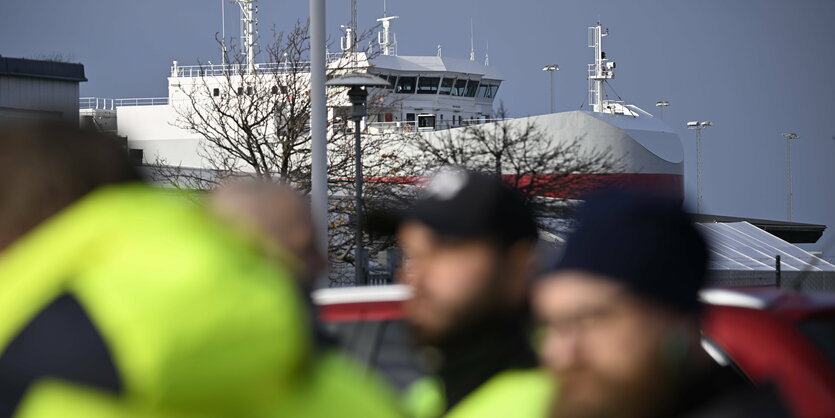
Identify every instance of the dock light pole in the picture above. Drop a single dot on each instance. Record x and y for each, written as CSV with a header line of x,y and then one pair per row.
x,y
357,94
551,68
698,126
790,136
661,104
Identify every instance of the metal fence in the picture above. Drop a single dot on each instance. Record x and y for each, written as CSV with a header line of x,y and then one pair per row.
x,y
102,103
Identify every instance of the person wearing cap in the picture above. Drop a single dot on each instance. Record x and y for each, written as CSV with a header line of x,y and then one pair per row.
x,y
468,248
620,313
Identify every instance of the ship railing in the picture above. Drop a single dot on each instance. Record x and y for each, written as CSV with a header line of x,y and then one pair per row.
x,y
239,69
96,103
102,103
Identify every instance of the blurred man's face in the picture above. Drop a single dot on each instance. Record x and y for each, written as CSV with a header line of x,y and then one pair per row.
x,y
454,284
279,214
610,351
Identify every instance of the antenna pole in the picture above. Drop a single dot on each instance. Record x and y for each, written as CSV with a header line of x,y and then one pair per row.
x,y
472,43
248,36
223,57
355,38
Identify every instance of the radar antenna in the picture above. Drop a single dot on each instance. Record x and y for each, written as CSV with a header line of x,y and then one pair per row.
x,y
601,70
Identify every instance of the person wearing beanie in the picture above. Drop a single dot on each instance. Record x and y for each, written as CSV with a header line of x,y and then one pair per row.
x,y
468,247
620,313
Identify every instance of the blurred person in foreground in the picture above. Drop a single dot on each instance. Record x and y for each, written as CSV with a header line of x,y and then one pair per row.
x,y
621,318
279,217
468,248
120,300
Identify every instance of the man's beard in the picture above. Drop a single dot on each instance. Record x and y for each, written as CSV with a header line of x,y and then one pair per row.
x,y
481,311
643,396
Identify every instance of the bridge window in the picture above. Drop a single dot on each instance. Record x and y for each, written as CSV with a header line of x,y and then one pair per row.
x,y
428,85
446,86
460,86
472,87
274,90
482,91
406,85
494,90
216,92
240,91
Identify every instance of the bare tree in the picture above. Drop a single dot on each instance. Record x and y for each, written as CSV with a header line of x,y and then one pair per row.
x,y
255,122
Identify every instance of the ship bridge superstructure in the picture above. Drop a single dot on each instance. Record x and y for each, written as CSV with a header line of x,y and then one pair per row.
x,y
433,93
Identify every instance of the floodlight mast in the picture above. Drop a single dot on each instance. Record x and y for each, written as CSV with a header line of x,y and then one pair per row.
x,y
551,68
790,136
698,126
661,104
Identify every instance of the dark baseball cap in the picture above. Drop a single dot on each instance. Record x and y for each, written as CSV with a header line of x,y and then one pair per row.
x,y
462,204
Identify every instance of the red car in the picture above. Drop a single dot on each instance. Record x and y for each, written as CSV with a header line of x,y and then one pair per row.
x,y
780,336
766,334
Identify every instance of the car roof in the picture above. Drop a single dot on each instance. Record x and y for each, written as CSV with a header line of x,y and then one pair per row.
x,y
795,305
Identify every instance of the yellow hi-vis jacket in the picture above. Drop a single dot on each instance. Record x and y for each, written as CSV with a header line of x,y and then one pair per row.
x,y
194,321
523,393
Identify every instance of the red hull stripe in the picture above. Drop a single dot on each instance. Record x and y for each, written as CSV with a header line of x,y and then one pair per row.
x,y
572,186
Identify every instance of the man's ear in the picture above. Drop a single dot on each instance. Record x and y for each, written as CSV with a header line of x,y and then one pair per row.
x,y
521,259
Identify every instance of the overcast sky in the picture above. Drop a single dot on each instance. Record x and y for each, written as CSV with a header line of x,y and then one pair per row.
x,y
756,68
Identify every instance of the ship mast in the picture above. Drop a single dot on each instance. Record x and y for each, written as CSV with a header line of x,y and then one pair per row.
x,y
386,39
248,33
601,70
349,41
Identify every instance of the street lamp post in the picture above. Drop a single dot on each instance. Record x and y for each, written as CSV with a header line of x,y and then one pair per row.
x,y
551,68
661,104
698,126
318,124
357,94
789,137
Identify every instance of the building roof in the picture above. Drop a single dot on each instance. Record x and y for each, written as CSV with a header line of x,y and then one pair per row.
x,y
425,64
52,70
794,232
743,246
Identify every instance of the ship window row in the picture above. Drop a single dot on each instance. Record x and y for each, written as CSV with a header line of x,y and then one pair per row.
x,y
240,91
448,86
